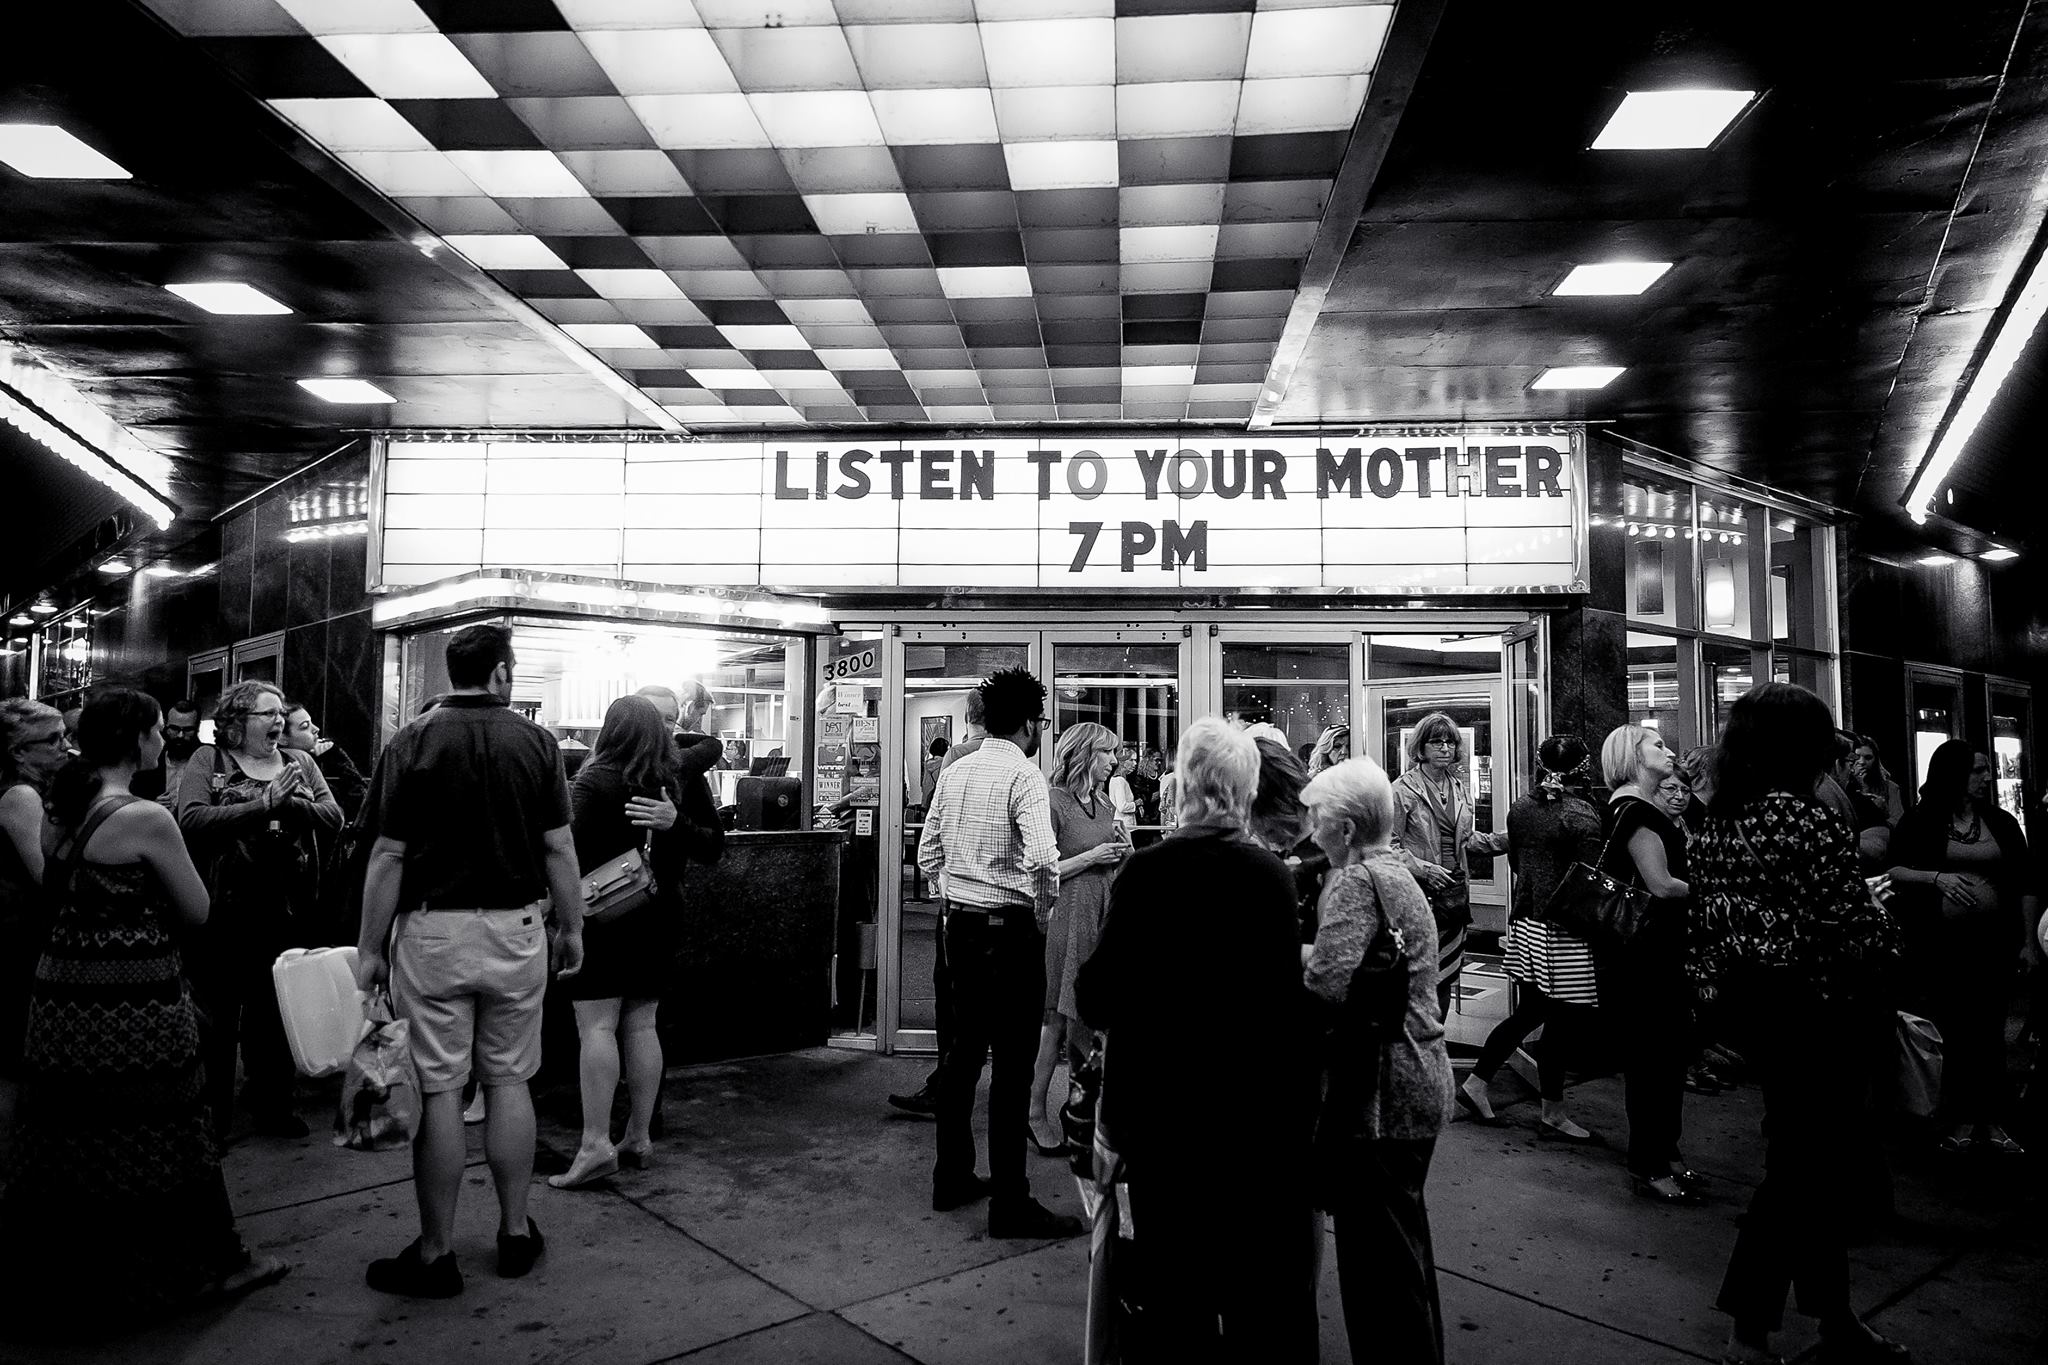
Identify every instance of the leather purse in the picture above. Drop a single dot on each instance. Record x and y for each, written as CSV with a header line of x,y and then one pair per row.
x,y
618,886
1590,902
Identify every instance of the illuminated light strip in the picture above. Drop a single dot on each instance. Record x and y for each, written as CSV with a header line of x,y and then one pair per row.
x,y
2012,338
601,596
89,461
50,393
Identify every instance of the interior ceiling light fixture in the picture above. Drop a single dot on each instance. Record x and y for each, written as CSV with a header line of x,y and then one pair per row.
x,y
1610,277
229,298
1671,120
62,443
1998,554
346,391
2011,339
21,618
160,571
43,607
1577,377
43,151
1935,561
116,565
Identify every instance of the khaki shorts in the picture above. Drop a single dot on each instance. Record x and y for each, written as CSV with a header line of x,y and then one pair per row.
x,y
471,980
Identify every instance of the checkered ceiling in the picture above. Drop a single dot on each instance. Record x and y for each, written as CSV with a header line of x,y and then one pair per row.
x,y
845,211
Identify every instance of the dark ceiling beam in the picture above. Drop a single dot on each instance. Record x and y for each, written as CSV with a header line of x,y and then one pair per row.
x,y
1393,81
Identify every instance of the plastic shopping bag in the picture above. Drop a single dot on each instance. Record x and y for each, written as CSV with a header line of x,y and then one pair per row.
x,y
1919,1065
380,1092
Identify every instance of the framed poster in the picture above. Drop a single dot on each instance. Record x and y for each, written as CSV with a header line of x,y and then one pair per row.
x,y
931,728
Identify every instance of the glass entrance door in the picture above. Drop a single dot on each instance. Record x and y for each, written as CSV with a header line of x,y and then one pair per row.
x,y
1131,680
1476,707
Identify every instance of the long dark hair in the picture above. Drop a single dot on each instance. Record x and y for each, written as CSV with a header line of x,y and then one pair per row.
x,y
1276,802
635,740
110,733
1947,787
1779,736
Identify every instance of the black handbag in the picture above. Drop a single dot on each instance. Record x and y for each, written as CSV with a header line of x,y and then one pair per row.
x,y
1590,902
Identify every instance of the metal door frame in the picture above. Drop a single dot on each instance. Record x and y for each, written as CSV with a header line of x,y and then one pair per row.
x,y
1494,689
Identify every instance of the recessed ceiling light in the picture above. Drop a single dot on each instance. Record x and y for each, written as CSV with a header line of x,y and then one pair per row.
x,y
1999,553
346,391
116,565
1611,277
21,618
160,571
1655,120
1577,377
1935,561
229,297
44,607
43,151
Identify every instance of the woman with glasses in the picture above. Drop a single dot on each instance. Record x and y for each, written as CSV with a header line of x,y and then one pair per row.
x,y
253,812
31,751
1084,827
1433,829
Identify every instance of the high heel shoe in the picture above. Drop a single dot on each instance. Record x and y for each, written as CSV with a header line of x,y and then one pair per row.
x,y
581,1173
636,1158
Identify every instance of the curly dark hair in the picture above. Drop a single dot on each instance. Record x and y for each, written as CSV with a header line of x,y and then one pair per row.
x,y
1012,699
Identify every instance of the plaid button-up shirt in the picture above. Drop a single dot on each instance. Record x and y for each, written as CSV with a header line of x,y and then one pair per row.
x,y
989,832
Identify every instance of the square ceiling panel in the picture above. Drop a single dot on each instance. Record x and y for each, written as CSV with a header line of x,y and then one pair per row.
x,y
982,191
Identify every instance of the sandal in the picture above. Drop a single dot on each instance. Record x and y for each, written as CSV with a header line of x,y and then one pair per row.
x,y
578,1176
2004,1144
1955,1144
636,1158
1646,1188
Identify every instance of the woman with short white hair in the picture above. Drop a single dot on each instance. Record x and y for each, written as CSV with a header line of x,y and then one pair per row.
x,y
1389,1089
1201,925
1435,834
1644,979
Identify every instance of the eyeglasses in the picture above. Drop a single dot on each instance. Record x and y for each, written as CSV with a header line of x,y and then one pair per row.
x,y
1439,743
46,742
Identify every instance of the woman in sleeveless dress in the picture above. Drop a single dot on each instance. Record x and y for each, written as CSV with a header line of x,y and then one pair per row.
x,y
115,1210
1090,846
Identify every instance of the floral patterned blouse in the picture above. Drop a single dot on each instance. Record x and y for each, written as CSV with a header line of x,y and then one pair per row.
x,y
1777,886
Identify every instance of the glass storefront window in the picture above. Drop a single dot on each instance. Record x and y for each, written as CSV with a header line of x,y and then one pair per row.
x,y
1431,656
1797,612
1301,688
1936,699
1726,672
1810,671
1729,550
1657,694
847,723
2011,741
1657,518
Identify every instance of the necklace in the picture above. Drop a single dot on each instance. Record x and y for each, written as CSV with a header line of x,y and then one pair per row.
x,y
1968,834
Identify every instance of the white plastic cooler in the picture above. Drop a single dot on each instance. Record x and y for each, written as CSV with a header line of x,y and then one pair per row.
x,y
323,1011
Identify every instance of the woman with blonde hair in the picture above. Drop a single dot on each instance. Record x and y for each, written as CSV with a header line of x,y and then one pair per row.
x,y
31,752
1644,981
1434,834
1084,828
1332,747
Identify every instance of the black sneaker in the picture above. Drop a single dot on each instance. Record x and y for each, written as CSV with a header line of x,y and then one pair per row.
x,y
957,1194
516,1255
923,1102
1027,1218
407,1274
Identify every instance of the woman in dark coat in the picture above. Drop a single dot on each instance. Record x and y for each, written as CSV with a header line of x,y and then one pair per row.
x,y
1201,917
628,792
1961,877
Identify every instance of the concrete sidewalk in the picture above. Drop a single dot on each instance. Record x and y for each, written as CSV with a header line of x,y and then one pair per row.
x,y
786,1220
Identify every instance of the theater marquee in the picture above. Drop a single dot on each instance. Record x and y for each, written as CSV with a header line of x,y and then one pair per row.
x,y
1400,512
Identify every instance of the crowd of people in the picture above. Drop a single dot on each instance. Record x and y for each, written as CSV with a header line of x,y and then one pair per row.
x,y
1320,903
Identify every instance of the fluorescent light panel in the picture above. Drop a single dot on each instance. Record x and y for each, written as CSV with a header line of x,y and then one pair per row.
x,y
1611,277
43,151
346,391
1935,561
617,336
1998,554
229,298
1577,377
1657,120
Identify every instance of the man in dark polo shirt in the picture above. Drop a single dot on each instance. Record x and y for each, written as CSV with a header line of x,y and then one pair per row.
x,y
472,837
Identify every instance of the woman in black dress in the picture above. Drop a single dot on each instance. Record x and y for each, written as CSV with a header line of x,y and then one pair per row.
x,y
1961,877
1644,981
627,793
115,1209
